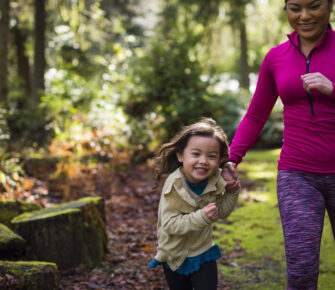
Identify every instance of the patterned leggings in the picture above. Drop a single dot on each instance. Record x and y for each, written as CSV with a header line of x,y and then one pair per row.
x,y
302,199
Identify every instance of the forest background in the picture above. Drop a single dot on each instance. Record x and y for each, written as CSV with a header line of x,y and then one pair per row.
x,y
89,85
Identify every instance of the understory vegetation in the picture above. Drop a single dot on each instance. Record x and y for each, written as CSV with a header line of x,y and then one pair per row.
x,y
252,237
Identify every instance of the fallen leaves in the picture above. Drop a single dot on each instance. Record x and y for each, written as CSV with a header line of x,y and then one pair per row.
x,y
131,215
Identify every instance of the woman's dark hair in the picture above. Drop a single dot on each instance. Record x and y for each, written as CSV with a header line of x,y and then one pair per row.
x,y
166,159
329,1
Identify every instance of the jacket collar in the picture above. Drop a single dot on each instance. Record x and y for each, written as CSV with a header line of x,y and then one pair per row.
x,y
294,37
177,181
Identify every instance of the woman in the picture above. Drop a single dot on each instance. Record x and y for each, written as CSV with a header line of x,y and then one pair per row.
x,y
302,72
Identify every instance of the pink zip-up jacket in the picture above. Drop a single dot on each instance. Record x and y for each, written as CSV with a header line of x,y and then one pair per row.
x,y
309,119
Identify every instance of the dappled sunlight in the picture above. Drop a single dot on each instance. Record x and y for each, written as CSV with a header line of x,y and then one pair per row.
x,y
256,196
262,174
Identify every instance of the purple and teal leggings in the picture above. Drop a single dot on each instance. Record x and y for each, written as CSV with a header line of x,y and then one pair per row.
x,y
303,198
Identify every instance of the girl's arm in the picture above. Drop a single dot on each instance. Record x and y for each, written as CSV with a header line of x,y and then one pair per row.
x,y
226,202
176,221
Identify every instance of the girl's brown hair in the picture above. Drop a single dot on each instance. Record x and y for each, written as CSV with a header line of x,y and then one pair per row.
x,y
166,159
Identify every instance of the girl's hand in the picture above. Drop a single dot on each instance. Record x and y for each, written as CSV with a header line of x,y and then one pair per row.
x,y
317,81
230,175
211,211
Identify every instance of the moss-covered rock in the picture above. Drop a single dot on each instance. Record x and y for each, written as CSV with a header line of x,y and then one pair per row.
x,y
28,275
10,208
11,244
68,234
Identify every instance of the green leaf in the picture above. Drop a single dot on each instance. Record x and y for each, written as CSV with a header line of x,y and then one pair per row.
x,y
2,177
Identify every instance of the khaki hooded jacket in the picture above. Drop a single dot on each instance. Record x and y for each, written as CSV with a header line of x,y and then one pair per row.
x,y
183,229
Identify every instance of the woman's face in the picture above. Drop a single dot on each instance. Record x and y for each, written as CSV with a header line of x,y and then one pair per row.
x,y
309,18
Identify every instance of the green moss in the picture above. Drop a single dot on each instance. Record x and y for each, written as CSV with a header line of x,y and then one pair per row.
x,y
29,206
43,214
6,236
36,274
64,208
25,267
256,227
76,228
11,208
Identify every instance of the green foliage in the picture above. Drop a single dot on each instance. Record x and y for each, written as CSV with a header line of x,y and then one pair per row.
x,y
100,59
10,170
171,92
171,83
28,129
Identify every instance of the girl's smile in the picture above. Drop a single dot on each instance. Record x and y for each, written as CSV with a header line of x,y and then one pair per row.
x,y
201,158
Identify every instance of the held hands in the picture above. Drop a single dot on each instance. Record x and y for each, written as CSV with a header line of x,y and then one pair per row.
x,y
211,211
317,81
230,175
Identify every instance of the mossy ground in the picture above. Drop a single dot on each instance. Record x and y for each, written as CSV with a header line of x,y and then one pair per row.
x,y
253,235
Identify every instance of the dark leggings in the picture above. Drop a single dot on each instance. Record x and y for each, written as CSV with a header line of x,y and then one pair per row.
x,y
204,279
302,199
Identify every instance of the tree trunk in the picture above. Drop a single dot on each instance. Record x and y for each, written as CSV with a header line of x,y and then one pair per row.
x,y
238,21
68,234
29,275
4,32
244,56
20,37
39,53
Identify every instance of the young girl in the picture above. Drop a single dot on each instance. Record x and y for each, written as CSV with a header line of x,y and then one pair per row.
x,y
194,196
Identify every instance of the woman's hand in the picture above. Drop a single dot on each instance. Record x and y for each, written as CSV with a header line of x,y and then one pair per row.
x,y
211,211
317,81
230,175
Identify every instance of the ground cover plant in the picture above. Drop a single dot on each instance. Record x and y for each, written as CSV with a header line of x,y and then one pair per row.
x,y
250,239
253,233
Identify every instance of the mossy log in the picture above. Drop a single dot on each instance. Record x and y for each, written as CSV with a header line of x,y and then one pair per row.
x,y
32,275
10,208
11,244
68,234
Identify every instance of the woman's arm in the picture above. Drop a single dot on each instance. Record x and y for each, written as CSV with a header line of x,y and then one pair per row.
x,y
257,114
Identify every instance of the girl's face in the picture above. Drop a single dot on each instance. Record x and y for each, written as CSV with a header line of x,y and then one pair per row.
x,y
201,158
309,18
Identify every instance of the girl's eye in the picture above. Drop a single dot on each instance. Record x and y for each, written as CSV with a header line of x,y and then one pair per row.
x,y
295,10
212,156
315,7
195,154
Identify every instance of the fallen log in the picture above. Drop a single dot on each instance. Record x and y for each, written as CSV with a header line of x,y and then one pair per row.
x,y
11,244
33,275
68,234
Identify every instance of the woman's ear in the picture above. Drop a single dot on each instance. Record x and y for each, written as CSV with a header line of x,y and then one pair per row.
x,y
179,157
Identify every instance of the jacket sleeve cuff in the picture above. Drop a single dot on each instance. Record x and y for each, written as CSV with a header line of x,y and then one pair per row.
x,y
234,158
205,217
332,95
